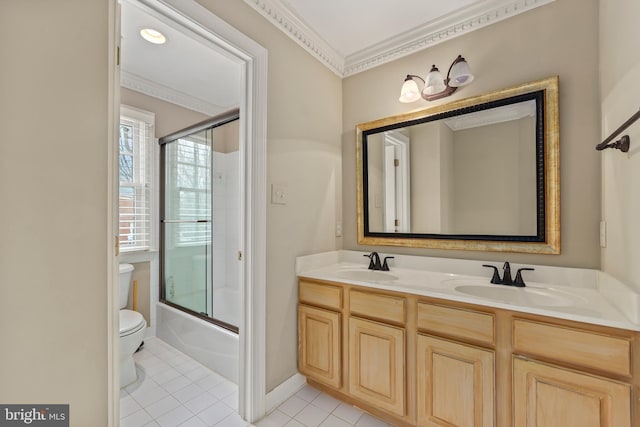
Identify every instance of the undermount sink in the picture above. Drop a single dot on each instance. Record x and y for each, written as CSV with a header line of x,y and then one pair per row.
x,y
527,296
366,275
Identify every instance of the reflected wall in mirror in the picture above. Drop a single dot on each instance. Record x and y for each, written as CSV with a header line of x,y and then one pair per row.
x,y
479,174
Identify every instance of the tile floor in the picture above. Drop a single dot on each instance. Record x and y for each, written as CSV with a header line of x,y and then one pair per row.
x,y
174,390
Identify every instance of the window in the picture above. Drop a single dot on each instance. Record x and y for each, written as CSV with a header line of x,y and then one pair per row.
x,y
194,188
136,139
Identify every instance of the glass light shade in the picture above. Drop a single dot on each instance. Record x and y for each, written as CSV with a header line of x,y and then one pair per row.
x,y
410,91
153,36
434,83
460,74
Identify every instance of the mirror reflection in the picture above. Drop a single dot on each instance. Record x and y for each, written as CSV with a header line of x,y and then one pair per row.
x,y
474,173
480,173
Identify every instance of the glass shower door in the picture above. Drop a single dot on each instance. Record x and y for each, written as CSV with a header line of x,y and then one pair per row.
x,y
200,220
186,223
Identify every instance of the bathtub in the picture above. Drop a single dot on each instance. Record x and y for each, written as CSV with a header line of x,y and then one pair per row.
x,y
216,348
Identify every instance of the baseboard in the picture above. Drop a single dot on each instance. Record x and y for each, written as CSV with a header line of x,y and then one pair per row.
x,y
284,391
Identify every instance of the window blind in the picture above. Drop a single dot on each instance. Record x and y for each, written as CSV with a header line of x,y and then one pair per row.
x,y
194,189
136,137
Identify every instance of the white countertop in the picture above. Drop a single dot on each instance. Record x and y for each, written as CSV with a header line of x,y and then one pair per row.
x,y
566,293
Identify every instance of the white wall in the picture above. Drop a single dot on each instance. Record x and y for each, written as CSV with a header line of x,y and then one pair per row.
x,y
53,192
620,93
559,38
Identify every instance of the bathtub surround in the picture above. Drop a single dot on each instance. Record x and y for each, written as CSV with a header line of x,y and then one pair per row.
x,y
209,344
201,268
225,302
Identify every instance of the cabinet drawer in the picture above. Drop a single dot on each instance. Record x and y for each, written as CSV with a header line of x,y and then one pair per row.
x,y
456,322
320,294
377,306
582,348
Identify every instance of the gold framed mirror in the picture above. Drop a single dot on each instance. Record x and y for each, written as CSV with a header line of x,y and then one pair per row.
x,y
482,173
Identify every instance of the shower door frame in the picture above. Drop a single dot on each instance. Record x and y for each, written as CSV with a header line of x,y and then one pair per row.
x,y
195,20
209,124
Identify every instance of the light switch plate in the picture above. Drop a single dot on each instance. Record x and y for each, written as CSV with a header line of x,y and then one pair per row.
x,y
603,234
278,194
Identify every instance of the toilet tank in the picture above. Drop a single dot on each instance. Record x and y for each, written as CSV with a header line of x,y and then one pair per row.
x,y
126,270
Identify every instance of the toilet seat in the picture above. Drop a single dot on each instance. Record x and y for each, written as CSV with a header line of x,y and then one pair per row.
x,y
130,322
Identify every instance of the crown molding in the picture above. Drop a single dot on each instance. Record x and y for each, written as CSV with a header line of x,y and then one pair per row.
x,y
148,87
450,26
281,16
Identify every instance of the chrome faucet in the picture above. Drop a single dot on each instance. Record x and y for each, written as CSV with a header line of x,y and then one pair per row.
x,y
506,276
375,264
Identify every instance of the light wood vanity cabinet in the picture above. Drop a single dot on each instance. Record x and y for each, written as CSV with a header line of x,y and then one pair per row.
x,y
376,364
320,344
570,377
455,383
320,333
421,361
545,395
455,379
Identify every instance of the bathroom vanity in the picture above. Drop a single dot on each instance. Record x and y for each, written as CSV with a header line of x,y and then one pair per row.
x,y
424,348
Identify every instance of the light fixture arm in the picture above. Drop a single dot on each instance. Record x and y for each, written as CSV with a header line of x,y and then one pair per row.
x,y
410,76
455,61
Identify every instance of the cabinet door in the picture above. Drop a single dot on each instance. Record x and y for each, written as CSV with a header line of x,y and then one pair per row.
x,y
376,364
550,396
319,349
455,384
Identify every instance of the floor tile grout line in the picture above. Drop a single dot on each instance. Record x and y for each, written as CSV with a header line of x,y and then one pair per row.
x,y
166,355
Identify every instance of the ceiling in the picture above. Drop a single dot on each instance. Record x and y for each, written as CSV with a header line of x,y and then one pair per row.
x,y
185,70
354,25
347,36
351,36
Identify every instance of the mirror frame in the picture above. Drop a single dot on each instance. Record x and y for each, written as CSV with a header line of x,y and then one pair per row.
x,y
547,240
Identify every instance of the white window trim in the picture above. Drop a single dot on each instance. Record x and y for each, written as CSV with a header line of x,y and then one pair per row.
x,y
154,176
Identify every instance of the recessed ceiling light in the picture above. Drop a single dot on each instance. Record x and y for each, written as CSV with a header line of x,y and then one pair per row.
x,y
153,36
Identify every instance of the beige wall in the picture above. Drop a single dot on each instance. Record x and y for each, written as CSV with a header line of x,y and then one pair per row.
x,y
620,93
226,138
489,179
142,276
53,187
304,154
556,39
170,117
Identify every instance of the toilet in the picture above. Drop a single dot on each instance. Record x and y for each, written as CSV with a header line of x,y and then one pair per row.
x,y
132,329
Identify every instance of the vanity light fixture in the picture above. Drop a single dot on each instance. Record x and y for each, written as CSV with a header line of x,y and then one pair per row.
x,y
435,85
153,36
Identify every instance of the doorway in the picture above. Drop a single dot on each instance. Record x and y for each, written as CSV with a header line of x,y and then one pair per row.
x,y
200,24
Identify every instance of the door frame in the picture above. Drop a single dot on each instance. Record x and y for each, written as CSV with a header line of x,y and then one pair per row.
x,y
190,16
